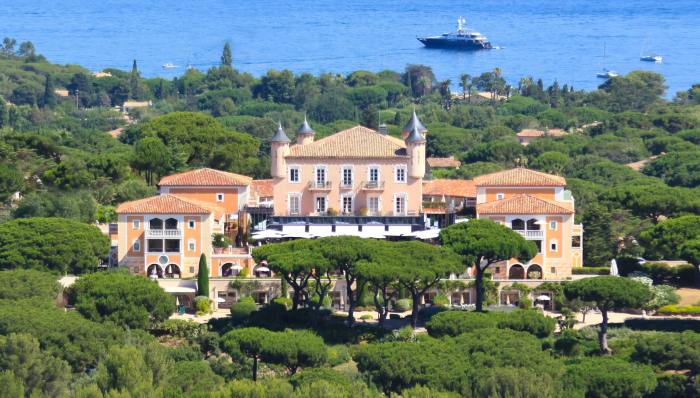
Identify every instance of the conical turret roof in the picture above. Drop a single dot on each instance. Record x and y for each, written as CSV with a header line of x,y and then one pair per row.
x,y
415,136
305,128
414,123
280,135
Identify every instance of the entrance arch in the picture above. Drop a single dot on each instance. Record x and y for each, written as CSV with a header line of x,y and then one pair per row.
x,y
534,272
516,271
230,269
172,271
154,271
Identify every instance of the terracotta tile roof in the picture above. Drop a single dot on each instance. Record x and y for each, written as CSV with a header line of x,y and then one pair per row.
x,y
261,188
162,204
204,177
448,162
541,133
455,188
356,142
523,204
519,177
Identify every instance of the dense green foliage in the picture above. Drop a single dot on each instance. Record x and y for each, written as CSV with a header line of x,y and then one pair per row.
x,y
127,300
203,277
24,284
54,244
454,323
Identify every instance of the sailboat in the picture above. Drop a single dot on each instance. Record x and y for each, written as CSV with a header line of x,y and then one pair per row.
x,y
606,73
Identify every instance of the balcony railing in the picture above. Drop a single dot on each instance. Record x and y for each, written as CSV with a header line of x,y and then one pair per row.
x,y
319,185
346,185
163,233
373,185
531,234
412,218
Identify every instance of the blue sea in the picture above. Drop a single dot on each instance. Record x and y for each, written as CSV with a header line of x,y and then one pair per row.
x,y
548,39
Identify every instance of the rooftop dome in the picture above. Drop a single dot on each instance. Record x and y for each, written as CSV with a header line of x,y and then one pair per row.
x,y
415,135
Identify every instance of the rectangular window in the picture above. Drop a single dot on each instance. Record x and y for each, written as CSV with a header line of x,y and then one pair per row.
x,y
553,245
500,196
552,225
172,245
191,270
155,245
373,174
320,176
576,241
347,177
497,270
320,204
190,224
294,174
136,224
401,173
137,245
191,245
219,197
373,205
347,204
553,270
294,204
400,205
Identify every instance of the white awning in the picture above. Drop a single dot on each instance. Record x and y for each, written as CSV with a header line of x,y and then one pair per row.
x,y
300,234
543,297
179,289
220,300
236,266
426,234
262,269
267,234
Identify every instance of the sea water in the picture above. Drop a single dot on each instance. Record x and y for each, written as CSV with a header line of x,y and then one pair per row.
x,y
560,40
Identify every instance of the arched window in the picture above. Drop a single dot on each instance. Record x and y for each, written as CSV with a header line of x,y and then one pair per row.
x,y
155,223
171,223
154,271
533,225
517,224
534,272
516,271
172,271
230,269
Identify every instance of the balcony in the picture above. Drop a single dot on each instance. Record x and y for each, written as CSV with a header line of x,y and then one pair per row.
x,y
163,233
346,185
373,185
319,186
531,234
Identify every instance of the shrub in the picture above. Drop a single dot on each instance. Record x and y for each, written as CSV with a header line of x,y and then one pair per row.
x,y
670,385
663,325
524,303
453,323
243,308
27,283
283,301
660,273
128,300
366,317
182,328
591,271
202,305
394,316
403,305
679,309
441,300
610,377
527,321
310,376
338,354
426,313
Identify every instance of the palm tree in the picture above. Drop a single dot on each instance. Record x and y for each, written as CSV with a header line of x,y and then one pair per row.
x,y
465,81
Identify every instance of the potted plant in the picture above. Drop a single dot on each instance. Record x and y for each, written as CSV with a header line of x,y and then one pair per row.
x,y
331,211
363,212
220,242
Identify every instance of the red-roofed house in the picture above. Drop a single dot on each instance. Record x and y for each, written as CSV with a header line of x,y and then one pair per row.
x,y
537,206
526,136
453,194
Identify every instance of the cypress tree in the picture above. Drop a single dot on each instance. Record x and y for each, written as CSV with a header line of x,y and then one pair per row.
x,y
203,277
226,57
49,98
134,81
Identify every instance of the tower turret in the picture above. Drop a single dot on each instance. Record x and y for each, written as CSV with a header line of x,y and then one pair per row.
x,y
413,123
305,134
415,147
279,147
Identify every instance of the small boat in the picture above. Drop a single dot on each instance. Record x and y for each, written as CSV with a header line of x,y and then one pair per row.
x,y
462,39
169,66
652,58
607,74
